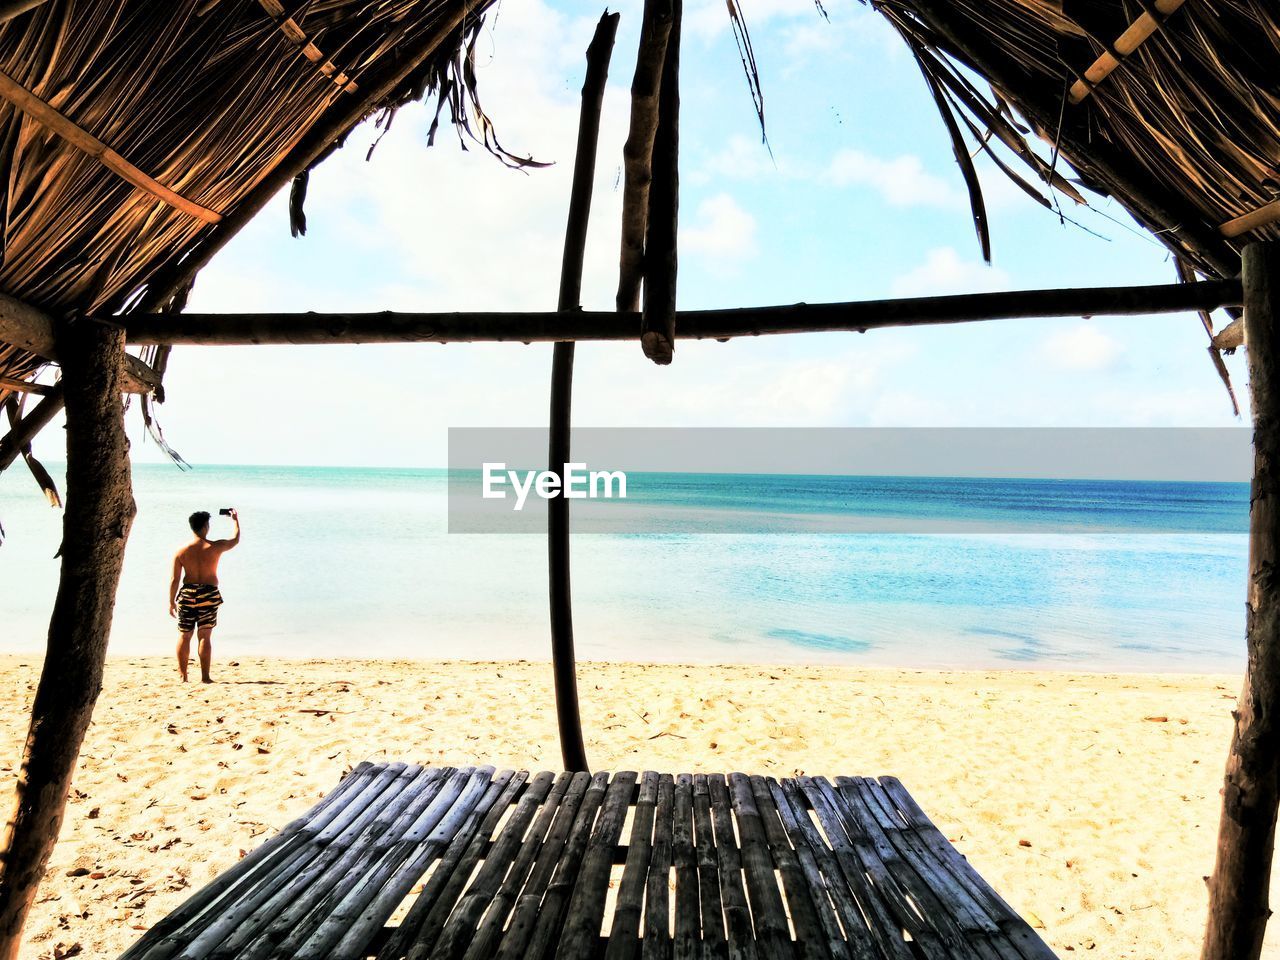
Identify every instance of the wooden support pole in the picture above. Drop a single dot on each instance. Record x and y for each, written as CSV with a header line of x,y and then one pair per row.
x,y
658,323
1238,906
637,153
245,329
25,429
563,663
99,513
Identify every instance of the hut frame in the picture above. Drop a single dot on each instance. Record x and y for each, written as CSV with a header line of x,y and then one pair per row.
x,y
90,348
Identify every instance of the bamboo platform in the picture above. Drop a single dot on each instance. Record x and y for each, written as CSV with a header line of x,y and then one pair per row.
x,y
476,864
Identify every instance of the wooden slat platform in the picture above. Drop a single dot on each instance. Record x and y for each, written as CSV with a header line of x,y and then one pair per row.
x,y
402,862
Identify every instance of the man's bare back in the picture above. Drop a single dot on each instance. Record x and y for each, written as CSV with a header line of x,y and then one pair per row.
x,y
199,560
194,597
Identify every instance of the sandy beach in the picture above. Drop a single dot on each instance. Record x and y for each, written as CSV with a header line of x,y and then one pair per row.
x,y
1089,801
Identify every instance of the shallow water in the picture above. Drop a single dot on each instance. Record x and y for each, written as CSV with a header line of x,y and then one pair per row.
x,y
358,562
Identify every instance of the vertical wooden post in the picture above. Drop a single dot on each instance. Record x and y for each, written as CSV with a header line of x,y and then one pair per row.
x,y
1238,903
95,526
658,322
575,242
637,152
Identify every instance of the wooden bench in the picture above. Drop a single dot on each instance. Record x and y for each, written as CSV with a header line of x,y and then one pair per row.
x,y
482,865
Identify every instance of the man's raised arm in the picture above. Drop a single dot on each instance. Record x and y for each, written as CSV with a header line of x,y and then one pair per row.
x,y
235,537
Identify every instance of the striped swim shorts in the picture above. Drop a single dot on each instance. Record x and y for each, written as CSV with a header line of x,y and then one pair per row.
x,y
198,605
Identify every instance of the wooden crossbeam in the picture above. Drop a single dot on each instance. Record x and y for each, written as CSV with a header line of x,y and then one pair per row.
x,y
1135,36
83,140
23,325
245,329
1264,215
306,47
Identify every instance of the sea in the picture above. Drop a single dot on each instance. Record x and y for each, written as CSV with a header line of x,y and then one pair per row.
x,y
360,562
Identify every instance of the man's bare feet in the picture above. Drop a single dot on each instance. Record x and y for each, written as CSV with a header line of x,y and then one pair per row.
x,y
206,679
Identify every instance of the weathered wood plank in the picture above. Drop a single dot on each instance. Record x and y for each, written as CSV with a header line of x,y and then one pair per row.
x,y
925,903
688,934
314,935
586,905
823,875
714,944
242,914
979,929
1008,919
905,911
524,917
457,862
773,937
256,865
461,929
546,932
737,915
246,907
366,906
885,929
656,944
292,914
810,936
624,934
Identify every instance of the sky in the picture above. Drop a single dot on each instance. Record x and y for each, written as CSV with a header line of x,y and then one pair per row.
x,y
859,198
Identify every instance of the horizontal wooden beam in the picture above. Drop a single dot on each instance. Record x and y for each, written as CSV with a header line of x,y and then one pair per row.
x,y
31,329
1266,214
25,429
241,329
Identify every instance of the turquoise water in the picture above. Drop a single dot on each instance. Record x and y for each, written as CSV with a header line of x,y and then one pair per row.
x,y
358,562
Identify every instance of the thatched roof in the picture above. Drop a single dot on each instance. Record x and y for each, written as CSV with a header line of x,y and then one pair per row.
x,y
210,99
1185,132
218,100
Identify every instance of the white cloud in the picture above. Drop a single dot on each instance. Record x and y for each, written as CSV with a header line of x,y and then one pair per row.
x,y
901,181
721,230
767,381
1081,348
943,271
707,19
746,158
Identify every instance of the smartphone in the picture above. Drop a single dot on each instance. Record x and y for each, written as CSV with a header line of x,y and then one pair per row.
x,y
225,511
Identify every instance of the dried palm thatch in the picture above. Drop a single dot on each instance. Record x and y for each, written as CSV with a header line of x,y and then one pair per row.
x,y
1185,132
224,101
212,99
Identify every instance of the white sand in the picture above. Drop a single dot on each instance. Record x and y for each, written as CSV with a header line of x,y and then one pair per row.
x,y
1119,811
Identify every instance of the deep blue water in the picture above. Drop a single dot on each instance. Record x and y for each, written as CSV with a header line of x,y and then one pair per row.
x,y
358,562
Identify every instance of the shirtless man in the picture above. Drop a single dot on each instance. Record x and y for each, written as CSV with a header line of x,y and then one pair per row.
x,y
196,604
